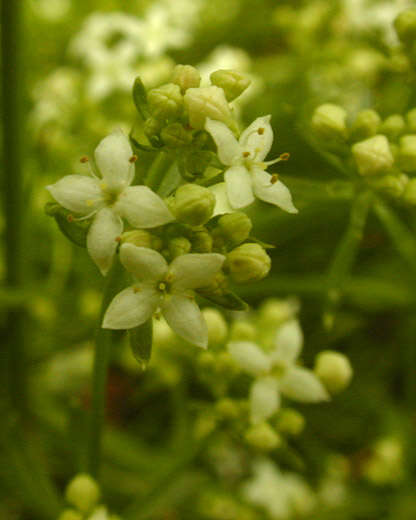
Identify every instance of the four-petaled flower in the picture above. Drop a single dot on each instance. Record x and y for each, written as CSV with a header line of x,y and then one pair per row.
x,y
165,288
276,372
109,198
246,177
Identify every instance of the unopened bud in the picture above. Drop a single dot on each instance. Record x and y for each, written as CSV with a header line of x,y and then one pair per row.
x,y
334,370
227,408
366,125
165,102
373,156
263,437
201,241
409,193
290,421
193,204
232,82
392,185
176,136
196,162
233,228
242,330
206,102
186,77
70,514
137,237
328,121
393,126
411,120
405,25
83,492
152,128
248,263
179,246
216,325
274,312
407,153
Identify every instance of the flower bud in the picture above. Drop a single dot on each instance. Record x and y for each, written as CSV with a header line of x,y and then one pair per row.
x,y
193,204
179,246
83,492
248,263
186,77
407,153
411,120
165,102
152,128
263,437
393,126
175,136
409,193
206,102
274,312
137,237
328,121
70,514
290,421
392,185
201,241
227,408
217,326
233,228
242,330
373,156
197,161
334,370
405,25
366,124
232,82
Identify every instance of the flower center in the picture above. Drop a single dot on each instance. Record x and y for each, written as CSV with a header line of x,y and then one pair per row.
x,y
110,196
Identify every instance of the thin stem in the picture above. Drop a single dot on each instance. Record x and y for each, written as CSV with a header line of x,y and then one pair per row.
x,y
12,80
158,170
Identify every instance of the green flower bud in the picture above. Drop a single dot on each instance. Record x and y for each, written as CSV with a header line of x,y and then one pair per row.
x,y
393,185
165,102
70,514
263,437
83,492
196,162
409,193
233,228
227,408
274,312
176,136
366,124
393,126
201,241
232,82
248,263
186,77
179,246
193,204
137,237
373,156
217,326
411,120
242,330
152,128
328,121
290,421
334,370
206,102
405,25
407,153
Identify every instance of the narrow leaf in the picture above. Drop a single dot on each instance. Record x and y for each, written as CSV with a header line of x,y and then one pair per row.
x,y
141,342
75,230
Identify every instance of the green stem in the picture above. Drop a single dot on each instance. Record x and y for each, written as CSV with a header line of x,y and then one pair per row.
x,y
158,170
103,341
14,365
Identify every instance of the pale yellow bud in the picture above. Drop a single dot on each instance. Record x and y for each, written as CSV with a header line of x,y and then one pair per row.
x,y
334,370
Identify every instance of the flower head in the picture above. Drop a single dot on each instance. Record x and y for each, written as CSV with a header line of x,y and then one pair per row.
x,y
165,288
110,198
245,177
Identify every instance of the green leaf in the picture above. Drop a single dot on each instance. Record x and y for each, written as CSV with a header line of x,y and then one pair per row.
x,y
141,342
228,300
140,97
75,230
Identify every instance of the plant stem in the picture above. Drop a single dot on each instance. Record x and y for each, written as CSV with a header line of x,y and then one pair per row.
x,y
157,171
12,81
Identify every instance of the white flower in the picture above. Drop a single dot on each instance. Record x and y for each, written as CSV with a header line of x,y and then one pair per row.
x,y
246,177
165,288
277,373
110,198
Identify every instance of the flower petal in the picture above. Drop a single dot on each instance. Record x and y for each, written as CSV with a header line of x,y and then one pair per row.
x,y
78,193
228,147
101,238
112,156
258,144
194,270
277,193
222,204
239,190
264,399
131,307
302,385
185,318
145,264
250,357
288,341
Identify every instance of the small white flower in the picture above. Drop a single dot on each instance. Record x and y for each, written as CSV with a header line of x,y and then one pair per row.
x,y
110,198
246,177
165,288
277,373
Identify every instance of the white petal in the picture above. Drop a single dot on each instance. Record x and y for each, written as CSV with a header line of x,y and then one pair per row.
x,y
250,357
222,204
239,190
258,144
78,193
147,265
302,385
264,399
288,341
142,207
227,145
194,270
131,307
277,193
112,156
101,238
185,318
